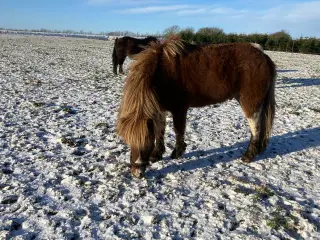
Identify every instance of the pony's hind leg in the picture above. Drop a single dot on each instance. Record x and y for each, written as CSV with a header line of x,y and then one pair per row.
x,y
260,117
253,149
160,147
179,124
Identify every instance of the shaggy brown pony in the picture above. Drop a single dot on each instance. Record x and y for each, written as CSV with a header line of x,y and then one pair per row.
x,y
128,46
174,76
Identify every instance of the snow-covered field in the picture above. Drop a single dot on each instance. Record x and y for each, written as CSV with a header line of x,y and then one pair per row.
x,y
64,173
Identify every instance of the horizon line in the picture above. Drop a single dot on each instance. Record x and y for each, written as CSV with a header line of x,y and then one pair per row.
x,y
131,32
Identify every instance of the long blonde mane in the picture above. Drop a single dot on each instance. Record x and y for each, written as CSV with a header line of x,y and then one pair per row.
x,y
139,101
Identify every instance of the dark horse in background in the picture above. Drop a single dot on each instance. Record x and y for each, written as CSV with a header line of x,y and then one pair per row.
x,y
174,76
128,46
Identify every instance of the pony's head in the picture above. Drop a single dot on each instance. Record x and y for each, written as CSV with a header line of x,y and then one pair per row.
x,y
139,110
140,155
140,134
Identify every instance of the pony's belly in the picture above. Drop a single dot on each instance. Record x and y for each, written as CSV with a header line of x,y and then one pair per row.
x,y
200,104
202,101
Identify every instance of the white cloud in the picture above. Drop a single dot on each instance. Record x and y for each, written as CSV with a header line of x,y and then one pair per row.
x,y
293,13
99,1
221,10
296,17
127,2
211,11
192,11
304,11
154,9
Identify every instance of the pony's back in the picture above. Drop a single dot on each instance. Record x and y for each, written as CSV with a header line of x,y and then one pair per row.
x,y
212,72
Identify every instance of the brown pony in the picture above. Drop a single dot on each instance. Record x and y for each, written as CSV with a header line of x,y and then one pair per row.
x,y
128,46
175,76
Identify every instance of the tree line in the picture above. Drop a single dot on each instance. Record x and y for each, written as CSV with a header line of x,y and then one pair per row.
x,y
278,41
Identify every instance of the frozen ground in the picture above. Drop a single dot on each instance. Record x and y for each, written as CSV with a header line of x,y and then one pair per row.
x,y
64,173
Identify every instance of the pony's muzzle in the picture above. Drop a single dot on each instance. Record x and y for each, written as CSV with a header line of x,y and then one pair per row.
x,y
138,172
138,167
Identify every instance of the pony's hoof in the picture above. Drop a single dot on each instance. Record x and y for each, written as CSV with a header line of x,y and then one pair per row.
x,y
247,158
175,154
138,172
155,158
178,152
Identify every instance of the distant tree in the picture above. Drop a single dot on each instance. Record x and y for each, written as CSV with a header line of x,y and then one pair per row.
x,y
281,40
232,37
281,34
158,34
310,45
171,31
258,38
187,34
210,35
270,44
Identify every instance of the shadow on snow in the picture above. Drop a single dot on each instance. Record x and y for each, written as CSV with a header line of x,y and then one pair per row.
x,y
299,82
278,146
286,70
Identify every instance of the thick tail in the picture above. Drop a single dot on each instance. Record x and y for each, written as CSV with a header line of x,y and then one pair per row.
x,y
139,103
114,57
267,111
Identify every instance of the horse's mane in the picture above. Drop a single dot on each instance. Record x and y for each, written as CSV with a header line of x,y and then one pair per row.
x,y
151,38
139,101
148,38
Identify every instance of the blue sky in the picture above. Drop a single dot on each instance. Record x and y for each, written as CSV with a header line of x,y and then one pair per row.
x,y
298,17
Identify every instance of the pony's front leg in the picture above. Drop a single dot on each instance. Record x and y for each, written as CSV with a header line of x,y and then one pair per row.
x,y
121,61
179,124
121,69
160,147
115,66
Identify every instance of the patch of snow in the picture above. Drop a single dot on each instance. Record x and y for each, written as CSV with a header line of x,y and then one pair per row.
x,y
64,172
